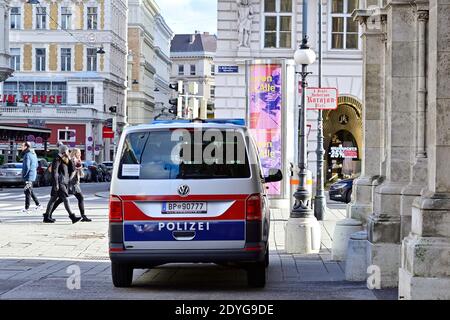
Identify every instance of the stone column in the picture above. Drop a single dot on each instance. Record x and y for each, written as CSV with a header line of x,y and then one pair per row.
x,y
419,168
384,224
425,267
373,98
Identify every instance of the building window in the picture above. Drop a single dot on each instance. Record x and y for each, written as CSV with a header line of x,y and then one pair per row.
x,y
16,18
212,93
344,31
66,59
28,92
277,23
67,135
40,60
66,18
91,59
192,69
85,95
92,18
43,89
41,18
181,70
15,58
213,69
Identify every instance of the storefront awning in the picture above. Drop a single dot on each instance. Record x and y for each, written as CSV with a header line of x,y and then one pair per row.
x,y
18,133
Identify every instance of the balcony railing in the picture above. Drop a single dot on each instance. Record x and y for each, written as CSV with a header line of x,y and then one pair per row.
x,y
52,112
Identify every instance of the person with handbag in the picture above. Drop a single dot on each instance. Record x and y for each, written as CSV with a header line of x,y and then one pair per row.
x,y
74,184
62,169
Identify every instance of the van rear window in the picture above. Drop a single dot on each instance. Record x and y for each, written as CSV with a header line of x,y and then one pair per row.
x,y
184,154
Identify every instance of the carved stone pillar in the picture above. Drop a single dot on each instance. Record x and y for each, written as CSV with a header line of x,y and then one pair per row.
x,y
419,168
384,225
373,99
425,265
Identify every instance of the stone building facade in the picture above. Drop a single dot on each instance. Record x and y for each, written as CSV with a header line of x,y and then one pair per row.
x,y
192,58
141,71
403,195
61,79
163,64
149,64
269,31
5,69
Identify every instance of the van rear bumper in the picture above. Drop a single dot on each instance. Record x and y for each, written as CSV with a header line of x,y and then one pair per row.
x,y
145,258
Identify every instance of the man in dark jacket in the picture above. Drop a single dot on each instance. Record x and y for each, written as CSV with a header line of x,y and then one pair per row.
x,y
62,169
29,174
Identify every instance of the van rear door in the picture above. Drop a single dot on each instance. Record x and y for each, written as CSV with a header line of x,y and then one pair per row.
x,y
185,189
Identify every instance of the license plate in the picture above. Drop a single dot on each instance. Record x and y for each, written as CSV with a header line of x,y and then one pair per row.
x,y
184,207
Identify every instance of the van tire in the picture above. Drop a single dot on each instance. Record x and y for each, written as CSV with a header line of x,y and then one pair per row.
x,y
256,275
122,275
266,258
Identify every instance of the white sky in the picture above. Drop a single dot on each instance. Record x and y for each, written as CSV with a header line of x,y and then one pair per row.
x,y
187,16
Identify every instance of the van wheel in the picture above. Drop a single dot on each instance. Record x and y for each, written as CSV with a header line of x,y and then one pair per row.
x,y
256,275
122,275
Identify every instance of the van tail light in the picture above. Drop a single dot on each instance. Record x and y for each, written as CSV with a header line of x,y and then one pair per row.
x,y
115,209
254,207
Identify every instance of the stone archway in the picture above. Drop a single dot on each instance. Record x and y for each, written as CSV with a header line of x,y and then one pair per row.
x,y
344,124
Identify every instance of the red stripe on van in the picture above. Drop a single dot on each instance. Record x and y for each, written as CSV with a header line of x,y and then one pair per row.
x,y
235,212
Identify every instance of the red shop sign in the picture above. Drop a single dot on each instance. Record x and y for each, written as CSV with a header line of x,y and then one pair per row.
x,y
33,99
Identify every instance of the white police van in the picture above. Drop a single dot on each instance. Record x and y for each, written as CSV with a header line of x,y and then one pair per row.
x,y
189,191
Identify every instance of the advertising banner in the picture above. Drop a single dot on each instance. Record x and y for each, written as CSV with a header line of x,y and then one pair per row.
x,y
265,94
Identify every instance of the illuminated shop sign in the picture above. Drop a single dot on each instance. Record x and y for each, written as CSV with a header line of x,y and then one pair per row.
x,y
344,152
265,94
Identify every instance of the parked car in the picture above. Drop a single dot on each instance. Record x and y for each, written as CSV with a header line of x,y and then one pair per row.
x,y
11,174
95,174
104,173
87,173
341,190
109,165
43,174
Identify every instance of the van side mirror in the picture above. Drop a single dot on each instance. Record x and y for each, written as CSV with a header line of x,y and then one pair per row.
x,y
275,175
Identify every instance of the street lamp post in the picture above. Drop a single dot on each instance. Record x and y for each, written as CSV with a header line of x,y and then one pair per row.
x,y
319,200
303,229
302,207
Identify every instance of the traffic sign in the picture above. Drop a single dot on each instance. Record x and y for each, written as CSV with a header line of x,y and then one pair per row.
x,y
321,98
108,133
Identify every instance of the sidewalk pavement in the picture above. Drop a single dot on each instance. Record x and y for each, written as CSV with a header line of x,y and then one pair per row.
x,y
34,258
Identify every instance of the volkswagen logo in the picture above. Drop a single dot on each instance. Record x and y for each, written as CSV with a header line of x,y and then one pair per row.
x,y
183,190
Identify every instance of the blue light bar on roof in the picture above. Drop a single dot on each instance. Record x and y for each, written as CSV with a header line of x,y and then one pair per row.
x,y
238,122
170,121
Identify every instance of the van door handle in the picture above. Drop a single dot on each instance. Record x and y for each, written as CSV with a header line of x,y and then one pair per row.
x,y
183,235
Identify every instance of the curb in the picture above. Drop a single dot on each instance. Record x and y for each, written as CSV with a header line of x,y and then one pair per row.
x,y
102,194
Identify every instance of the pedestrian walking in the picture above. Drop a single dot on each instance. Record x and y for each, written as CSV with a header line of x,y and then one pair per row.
x,y
62,169
29,175
74,184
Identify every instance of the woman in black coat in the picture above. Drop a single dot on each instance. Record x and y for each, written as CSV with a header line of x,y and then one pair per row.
x,y
62,169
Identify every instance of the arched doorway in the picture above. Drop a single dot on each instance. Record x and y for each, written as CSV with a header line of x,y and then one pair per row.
x,y
343,139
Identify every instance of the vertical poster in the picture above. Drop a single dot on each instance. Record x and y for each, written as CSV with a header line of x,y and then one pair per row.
x,y
265,101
